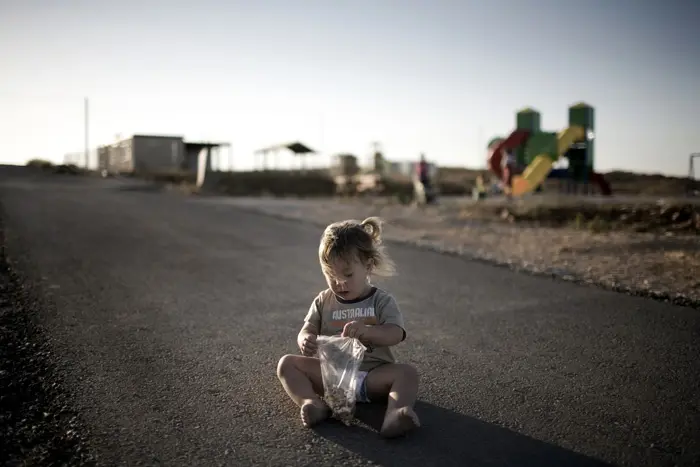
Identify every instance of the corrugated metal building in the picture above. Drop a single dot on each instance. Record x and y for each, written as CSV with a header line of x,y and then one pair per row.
x,y
152,153
142,154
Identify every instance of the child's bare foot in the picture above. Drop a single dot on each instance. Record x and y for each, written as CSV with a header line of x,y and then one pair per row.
x,y
312,412
398,422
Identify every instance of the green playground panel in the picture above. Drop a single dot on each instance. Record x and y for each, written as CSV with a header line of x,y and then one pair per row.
x,y
528,119
544,142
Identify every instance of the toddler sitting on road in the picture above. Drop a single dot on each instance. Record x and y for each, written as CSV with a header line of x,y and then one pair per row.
x,y
350,252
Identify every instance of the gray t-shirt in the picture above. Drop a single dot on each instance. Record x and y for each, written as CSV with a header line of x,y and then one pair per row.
x,y
330,314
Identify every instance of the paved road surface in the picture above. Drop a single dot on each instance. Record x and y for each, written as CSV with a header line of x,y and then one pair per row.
x,y
171,313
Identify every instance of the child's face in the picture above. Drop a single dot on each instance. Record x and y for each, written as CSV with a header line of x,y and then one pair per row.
x,y
347,279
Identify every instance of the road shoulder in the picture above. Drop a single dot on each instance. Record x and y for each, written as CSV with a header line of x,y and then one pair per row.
x,y
37,423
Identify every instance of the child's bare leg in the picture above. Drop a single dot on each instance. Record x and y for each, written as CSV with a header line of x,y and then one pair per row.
x,y
400,382
301,378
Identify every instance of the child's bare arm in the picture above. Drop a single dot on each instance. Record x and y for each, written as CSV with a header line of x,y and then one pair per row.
x,y
308,329
306,340
389,330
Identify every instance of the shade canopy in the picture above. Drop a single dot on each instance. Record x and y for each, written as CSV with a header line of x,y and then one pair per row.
x,y
295,147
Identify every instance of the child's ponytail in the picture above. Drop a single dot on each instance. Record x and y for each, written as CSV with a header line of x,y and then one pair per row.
x,y
373,226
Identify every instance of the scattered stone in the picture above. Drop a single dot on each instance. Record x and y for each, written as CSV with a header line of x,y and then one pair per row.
x,y
31,394
342,407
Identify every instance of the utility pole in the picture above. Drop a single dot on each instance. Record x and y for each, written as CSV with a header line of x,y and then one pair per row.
x,y
322,139
87,140
230,158
480,146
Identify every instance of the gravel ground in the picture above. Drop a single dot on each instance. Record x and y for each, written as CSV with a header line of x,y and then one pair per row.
x,y
38,425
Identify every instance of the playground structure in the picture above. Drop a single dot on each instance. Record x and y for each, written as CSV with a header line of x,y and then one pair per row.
x,y
539,151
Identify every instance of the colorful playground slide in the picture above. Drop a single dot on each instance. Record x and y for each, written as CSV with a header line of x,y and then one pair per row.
x,y
515,139
539,168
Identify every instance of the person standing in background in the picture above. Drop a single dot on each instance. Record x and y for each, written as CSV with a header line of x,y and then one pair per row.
x,y
422,183
509,166
422,169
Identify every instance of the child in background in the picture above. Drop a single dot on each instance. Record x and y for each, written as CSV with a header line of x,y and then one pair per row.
x,y
349,253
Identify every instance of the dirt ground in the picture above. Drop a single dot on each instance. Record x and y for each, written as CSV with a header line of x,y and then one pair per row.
x,y
667,216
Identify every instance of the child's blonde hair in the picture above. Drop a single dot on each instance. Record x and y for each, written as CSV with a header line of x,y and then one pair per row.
x,y
349,239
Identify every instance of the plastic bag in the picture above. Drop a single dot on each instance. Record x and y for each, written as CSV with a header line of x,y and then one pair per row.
x,y
340,365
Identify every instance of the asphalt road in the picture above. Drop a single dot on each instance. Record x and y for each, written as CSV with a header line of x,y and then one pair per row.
x,y
170,314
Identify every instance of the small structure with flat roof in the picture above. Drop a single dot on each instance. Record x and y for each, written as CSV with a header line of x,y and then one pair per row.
x,y
298,149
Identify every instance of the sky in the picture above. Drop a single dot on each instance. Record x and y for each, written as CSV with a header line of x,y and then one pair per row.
x,y
433,76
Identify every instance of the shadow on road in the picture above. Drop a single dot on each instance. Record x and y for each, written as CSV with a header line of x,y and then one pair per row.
x,y
447,438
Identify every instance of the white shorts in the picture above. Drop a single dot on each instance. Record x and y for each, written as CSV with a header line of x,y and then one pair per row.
x,y
361,387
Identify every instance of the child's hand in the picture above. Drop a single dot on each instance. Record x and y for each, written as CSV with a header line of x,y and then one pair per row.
x,y
308,345
354,329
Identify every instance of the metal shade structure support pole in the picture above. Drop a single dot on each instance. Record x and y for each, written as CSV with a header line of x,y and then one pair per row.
x,y
87,130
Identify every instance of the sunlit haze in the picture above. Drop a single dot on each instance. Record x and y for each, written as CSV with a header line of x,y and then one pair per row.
x,y
440,77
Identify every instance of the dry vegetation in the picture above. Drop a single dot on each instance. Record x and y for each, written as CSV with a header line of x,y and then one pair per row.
x,y
677,215
623,183
628,183
671,218
48,166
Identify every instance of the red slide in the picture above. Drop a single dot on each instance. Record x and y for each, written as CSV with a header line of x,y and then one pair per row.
x,y
599,180
514,140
